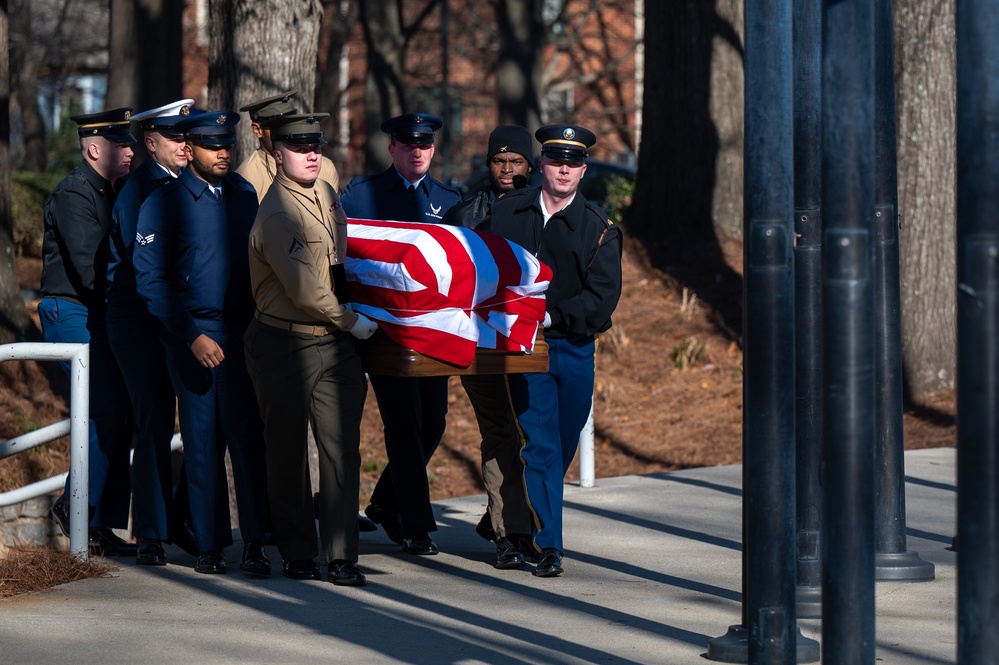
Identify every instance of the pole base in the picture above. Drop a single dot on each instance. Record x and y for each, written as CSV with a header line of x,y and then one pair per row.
x,y
902,567
733,647
808,603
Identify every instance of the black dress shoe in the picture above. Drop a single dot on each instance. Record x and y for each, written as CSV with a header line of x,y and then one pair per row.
x,y
550,564
507,555
255,561
210,563
301,569
104,541
485,528
345,573
422,546
150,553
526,546
60,513
389,519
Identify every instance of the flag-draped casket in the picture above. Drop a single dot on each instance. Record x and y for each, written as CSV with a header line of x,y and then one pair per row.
x,y
448,300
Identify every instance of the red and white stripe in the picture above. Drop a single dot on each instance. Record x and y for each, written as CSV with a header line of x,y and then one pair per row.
x,y
445,290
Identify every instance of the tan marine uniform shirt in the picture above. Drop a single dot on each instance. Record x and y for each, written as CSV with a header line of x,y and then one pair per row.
x,y
260,168
298,233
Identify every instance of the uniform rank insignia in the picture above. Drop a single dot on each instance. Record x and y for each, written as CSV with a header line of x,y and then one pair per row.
x,y
296,248
142,241
334,205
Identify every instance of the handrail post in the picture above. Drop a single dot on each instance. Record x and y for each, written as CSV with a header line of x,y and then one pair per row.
x,y
79,456
586,455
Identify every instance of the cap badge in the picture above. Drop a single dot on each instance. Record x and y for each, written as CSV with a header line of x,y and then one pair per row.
x,y
185,110
418,120
220,120
128,114
568,133
503,149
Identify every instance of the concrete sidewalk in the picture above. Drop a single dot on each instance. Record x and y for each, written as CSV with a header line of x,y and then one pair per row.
x,y
652,573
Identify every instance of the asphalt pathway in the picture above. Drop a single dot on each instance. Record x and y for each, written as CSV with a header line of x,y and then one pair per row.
x,y
652,573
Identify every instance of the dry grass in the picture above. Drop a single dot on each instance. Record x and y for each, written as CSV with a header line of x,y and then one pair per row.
x,y
27,570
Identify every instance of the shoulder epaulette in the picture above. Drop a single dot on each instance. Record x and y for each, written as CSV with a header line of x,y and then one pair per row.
x,y
599,212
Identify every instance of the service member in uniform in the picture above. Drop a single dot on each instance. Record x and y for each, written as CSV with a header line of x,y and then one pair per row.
x,y
574,238
134,335
301,356
192,271
259,168
72,309
510,159
413,410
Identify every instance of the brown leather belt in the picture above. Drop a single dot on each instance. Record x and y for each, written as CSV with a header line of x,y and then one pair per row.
x,y
314,329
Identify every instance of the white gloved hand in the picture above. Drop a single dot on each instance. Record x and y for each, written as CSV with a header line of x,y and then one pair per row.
x,y
364,328
547,323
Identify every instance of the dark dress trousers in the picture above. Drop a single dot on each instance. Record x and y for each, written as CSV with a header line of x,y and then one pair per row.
x,y
584,253
192,270
135,334
489,394
413,410
74,263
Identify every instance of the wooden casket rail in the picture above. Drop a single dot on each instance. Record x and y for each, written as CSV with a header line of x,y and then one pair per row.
x,y
380,355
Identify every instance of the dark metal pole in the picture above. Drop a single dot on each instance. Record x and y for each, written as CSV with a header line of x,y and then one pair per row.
x,y
977,331
768,332
848,319
808,298
891,560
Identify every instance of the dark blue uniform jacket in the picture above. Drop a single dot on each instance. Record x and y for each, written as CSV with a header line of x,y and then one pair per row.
x,y
192,261
124,217
384,196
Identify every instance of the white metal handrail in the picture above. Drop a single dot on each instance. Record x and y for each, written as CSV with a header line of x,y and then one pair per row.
x,y
36,438
78,356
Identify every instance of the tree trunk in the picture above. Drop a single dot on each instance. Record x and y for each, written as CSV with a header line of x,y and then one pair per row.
x,y
25,61
145,59
14,321
261,48
518,66
384,84
339,19
925,84
673,204
677,191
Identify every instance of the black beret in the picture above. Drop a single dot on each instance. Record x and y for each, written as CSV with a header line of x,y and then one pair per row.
x,y
569,142
511,138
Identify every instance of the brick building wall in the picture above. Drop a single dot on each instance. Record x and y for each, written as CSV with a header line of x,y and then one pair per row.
x,y
589,70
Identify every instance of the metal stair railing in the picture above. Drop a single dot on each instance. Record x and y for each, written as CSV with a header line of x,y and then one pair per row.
x,y
78,428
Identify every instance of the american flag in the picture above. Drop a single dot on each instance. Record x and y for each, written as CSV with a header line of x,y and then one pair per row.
x,y
445,290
